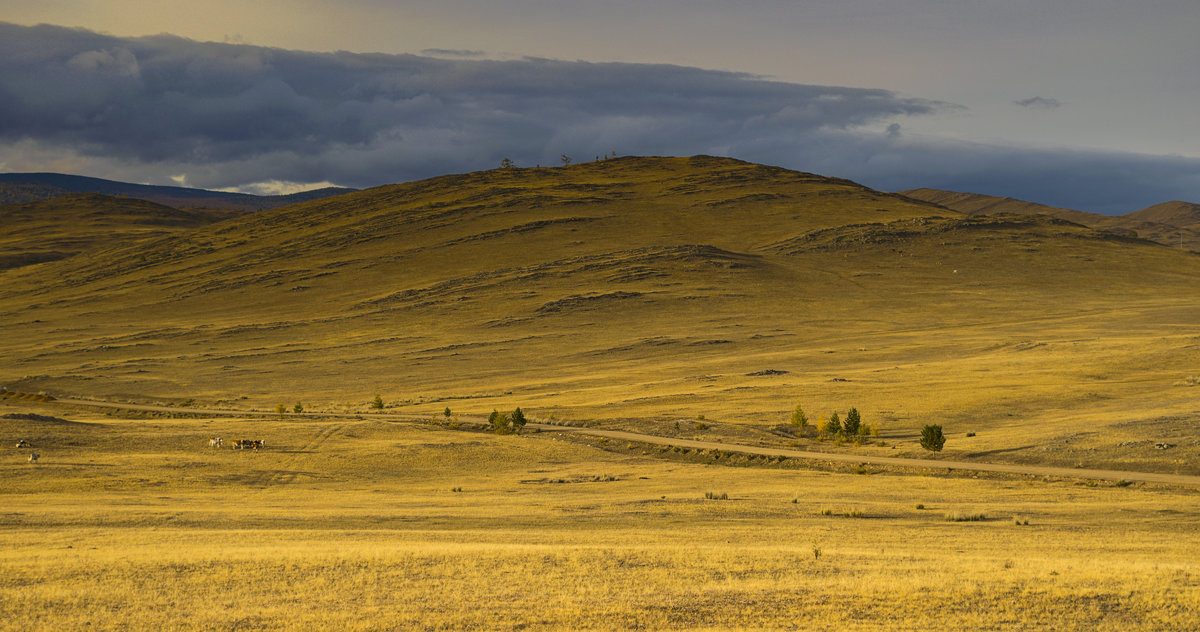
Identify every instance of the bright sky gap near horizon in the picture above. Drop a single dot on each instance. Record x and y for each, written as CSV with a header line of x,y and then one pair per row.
x,y
1085,104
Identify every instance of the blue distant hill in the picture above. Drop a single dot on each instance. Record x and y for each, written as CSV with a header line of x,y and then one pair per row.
x,y
30,187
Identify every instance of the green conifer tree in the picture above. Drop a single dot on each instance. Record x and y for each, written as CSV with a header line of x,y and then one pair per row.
x,y
852,423
932,438
835,424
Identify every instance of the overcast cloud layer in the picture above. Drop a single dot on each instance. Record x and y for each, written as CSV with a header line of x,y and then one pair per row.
x,y
167,110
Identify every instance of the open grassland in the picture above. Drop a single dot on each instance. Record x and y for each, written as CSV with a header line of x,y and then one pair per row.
x,y
371,525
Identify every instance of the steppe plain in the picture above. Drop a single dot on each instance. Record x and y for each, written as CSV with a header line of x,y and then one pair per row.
x,y
697,298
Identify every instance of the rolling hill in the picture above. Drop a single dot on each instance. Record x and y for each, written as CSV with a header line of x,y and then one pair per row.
x,y
31,187
1171,223
638,292
66,225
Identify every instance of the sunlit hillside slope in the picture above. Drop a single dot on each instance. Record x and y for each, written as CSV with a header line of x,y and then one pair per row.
x,y
638,290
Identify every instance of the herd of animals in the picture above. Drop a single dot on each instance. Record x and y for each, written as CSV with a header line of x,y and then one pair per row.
x,y
213,442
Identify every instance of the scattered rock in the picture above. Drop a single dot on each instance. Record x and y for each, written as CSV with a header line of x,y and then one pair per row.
x,y
767,372
1164,446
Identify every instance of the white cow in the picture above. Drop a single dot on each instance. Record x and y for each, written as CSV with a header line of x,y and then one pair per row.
x,y
33,457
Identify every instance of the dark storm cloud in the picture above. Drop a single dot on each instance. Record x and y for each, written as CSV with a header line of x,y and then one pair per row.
x,y
1041,103
232,115
1096,181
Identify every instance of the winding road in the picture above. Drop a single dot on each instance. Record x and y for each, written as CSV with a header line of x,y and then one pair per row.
x,y
974,466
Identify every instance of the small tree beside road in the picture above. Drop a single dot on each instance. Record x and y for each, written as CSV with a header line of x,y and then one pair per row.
x,y
932,438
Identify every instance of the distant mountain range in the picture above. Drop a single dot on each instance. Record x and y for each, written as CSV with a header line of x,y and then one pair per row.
x,y
31,187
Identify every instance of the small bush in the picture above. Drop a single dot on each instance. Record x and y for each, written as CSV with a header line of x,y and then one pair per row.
x,y
920,506
701,426
1019,521
965,517
377,403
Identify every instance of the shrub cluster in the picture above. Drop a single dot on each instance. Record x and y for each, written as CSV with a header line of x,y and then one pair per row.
x,y
507,423
852,427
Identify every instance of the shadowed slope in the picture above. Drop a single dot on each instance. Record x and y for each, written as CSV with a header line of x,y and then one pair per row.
x,y
1171,223
32,187
48,230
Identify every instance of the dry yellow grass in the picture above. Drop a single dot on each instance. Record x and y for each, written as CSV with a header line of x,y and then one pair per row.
x,y
137,524
636,293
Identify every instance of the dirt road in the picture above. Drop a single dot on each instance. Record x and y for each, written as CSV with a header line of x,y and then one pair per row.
x,y
975,466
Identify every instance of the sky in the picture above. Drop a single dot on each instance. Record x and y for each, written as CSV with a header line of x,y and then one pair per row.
x,y
1084,104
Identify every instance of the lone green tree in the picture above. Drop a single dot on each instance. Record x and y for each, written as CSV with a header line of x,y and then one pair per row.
x,y
852,423
932,438
377,404
799,419
835,424
281,409
298,408
518,420
446,413
506,163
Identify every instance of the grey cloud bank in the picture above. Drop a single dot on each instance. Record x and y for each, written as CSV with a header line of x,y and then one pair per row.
x,y
231,115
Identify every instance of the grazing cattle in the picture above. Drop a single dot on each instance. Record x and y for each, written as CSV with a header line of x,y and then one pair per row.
x,y
249,444
34,456
215,442
23,444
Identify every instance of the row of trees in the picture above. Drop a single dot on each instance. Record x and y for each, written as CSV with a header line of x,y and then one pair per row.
x,y
851,426
932,437
507,163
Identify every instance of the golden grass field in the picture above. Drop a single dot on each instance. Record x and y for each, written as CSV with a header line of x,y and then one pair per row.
x,y
353,525
697,298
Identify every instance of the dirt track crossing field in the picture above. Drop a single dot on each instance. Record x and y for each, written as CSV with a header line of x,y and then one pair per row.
x,y
284,476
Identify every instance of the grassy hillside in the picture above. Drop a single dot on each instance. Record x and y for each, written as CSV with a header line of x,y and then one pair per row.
x,y
641,292
1174,224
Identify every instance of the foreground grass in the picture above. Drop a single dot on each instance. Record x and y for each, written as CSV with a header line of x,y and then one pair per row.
x,y
137,525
